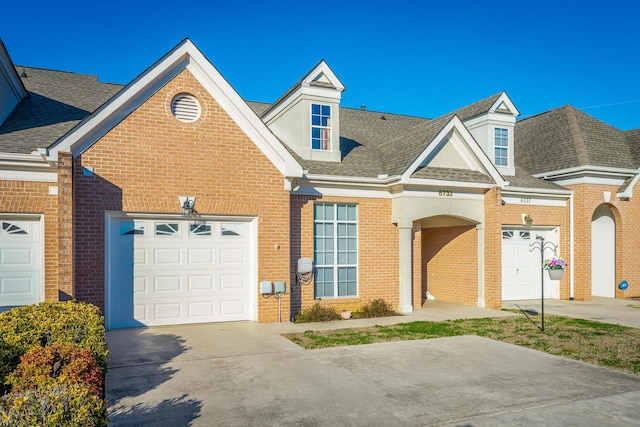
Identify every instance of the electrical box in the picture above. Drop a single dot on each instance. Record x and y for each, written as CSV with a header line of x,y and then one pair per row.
x,y
266,287
280,287
305,265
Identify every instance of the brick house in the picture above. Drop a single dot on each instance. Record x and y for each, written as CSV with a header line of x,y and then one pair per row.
x,y
172,200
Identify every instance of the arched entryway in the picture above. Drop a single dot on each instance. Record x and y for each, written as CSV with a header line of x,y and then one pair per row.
x,y
603,252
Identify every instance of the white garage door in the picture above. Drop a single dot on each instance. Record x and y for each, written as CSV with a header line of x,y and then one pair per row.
x,y
20,262
521,266
167,272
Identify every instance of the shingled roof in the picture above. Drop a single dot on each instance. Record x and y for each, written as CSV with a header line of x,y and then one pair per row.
x,y
477,108
567,137
57,101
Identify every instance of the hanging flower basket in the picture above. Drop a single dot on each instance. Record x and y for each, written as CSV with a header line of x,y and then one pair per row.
x,y
556,274
555,267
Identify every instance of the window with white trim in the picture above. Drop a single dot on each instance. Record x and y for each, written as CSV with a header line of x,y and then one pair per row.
x,y
320,127
501,146
336,250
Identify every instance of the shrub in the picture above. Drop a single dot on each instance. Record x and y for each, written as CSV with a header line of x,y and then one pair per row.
x,y
317,313
57,363
378,308
22,328
53,405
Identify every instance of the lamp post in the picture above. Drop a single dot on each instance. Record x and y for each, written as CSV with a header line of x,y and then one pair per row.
x,y
542,245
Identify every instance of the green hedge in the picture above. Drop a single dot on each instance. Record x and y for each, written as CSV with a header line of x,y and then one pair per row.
x,y
54,355
53,405
40,325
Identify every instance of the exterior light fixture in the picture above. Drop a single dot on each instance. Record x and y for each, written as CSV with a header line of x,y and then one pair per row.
x,y
188,205
527,220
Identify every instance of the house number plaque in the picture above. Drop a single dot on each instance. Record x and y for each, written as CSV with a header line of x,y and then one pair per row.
x,y
444,193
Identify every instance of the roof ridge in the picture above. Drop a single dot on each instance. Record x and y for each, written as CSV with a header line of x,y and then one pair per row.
x,y
576,135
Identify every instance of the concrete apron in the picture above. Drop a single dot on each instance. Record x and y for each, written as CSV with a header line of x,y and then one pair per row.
x,y
247,374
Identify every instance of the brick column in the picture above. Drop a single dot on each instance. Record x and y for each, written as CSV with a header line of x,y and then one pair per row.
x,y
66,284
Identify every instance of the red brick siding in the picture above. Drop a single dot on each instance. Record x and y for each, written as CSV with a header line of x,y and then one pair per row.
x,y
22,197
378,251
150,159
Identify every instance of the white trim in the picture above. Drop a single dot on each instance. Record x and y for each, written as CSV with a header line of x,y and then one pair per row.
x,y
26,167
621,173
39,219
471,144
628,192
184,56
306,87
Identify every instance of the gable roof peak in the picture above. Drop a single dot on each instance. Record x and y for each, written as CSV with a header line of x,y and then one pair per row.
x,y
320,75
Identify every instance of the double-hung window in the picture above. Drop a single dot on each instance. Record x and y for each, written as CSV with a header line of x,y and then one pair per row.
x,y
320,127
501,144
336,250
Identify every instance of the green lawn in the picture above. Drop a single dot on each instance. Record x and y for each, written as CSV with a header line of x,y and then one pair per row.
x,y
613,346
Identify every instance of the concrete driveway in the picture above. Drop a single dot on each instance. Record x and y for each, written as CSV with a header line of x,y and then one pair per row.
x,y
246,374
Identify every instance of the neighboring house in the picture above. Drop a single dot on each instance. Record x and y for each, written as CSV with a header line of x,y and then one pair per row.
x,y
172,200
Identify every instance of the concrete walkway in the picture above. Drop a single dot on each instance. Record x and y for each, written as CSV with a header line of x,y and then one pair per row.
x,y
243,373
619,311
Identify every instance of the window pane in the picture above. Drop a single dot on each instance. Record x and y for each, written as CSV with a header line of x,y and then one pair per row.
x,y
351,213
342,212
200,229
315,108
167,229
326,110
319,211
328,212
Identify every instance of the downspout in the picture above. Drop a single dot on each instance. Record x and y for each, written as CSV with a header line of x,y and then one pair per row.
x,y
571,249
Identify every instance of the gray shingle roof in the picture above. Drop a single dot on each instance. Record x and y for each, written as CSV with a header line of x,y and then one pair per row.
x,y
633,141
477,108
565,138
57,102
449,174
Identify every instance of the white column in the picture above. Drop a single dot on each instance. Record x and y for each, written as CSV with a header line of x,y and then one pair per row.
x,y
406,267
480,229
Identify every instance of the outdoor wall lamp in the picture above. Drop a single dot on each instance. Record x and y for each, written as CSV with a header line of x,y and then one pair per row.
x,y
188,205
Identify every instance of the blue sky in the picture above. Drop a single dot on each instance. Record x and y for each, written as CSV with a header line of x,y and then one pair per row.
x,y
418,58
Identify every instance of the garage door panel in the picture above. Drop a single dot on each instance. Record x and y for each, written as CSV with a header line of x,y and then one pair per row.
x,y
20,262
167,284
171,256
201,283
185,274
17,258
200,256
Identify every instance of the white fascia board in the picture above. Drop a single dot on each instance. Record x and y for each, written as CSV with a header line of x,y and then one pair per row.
x,y
323,68
355,180
471,144
528,191
628,192
8,70
26,167
441,184
243,115
590,179
505,98
587,171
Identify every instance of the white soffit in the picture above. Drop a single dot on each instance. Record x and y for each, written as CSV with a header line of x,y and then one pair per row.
x,y
184,56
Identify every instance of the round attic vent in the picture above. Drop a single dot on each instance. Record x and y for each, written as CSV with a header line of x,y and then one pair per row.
x,y
185,108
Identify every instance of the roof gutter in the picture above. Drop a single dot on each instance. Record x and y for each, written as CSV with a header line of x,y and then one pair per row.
x,y
588,169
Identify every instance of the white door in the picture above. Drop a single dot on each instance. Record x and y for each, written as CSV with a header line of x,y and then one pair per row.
x,y
603,253
167,272
521,268
20,263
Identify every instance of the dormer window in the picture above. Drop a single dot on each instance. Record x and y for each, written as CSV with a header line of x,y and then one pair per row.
x,y
501,144
320,127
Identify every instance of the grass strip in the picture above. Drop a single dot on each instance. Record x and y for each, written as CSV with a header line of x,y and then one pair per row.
x,y
612,346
